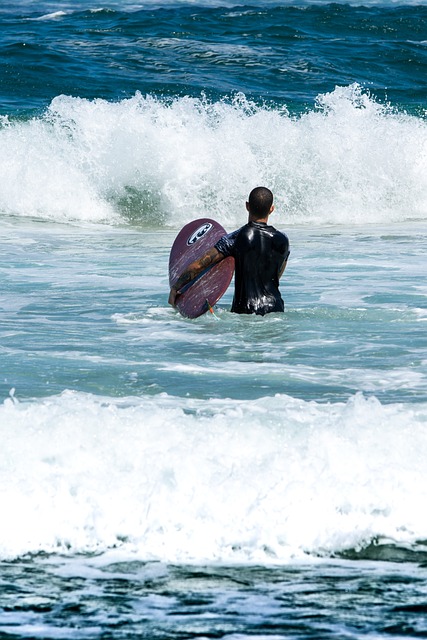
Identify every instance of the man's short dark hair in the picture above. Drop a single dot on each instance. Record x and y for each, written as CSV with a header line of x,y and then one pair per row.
x,y
260,201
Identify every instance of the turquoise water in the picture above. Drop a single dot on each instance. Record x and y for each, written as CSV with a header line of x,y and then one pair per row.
x,y
226,477
355,319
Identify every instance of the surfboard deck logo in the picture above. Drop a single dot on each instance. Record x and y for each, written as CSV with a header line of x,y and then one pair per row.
x,y
199,233
191,243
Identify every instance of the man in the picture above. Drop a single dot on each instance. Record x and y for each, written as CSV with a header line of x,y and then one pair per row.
x,y
260,253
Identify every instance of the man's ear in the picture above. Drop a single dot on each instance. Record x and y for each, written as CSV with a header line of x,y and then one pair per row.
x,y
272,208
247,207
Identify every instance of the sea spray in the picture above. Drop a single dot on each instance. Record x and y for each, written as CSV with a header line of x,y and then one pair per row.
x,y
188,480
161,162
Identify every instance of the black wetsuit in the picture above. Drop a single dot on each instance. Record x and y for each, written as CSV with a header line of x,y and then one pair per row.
x,y
259,251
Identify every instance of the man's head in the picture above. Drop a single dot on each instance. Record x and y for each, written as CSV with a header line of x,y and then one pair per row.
x,y
260,203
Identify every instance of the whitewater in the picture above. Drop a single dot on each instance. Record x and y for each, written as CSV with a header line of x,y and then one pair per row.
x,y
160,162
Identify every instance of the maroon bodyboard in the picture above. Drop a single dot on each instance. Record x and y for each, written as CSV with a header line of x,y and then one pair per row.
x,y
191,243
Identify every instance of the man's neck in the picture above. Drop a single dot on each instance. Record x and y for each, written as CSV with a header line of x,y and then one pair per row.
x,y
253,219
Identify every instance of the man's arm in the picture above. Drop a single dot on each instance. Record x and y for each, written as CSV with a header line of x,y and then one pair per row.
x,y
210,258
282,268
286,253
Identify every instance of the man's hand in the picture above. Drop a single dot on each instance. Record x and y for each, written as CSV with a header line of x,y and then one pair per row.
x,y
172,296
211,257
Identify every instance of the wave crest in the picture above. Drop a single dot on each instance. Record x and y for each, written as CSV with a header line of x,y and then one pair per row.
x,y
190,480
163,162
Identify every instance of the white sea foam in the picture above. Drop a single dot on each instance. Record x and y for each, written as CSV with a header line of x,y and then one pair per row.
x,y
55,15
348,160
183,480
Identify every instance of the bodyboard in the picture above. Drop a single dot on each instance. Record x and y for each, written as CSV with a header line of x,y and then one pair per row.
x,y
207,288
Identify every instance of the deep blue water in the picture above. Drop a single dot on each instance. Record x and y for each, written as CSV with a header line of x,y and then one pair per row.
x,y
287,54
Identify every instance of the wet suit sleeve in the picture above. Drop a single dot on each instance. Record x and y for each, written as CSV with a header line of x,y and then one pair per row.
x,y
225,244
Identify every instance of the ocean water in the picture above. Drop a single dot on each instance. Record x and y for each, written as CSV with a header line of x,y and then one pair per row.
x,y
226,477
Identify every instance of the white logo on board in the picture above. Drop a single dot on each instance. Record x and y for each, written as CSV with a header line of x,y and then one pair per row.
x,y
199,233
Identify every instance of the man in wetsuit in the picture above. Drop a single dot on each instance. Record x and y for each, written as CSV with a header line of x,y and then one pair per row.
x,y
260,253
